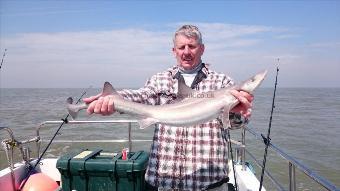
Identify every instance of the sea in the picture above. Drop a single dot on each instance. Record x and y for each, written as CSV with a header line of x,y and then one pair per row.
x,y
305,125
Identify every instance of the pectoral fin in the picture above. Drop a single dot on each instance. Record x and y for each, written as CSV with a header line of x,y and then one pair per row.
x,y
146,122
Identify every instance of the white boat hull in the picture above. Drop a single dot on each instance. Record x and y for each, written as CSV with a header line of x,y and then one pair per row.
x,y
246,180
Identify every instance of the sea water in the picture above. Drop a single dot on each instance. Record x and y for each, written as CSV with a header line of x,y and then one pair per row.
x,y
305,125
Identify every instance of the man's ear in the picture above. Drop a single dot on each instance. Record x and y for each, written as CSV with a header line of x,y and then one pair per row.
x,y
173,51
202,48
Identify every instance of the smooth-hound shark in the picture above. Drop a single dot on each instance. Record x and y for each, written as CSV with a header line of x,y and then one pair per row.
x,y
190,108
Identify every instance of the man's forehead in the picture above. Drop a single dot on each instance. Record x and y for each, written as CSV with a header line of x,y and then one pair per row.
x,y
182,39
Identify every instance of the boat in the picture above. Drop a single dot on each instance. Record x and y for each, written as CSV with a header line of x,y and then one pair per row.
x,y
245,179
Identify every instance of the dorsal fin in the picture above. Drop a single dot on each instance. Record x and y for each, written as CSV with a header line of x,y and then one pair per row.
x,y
108,89
184,91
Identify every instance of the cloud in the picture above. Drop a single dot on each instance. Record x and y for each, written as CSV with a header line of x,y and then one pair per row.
x,y
227,31
325,45
38,56
128,56
287,36
89,46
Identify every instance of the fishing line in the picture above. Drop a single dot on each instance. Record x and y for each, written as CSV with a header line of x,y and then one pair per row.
x,y
266,140
65,120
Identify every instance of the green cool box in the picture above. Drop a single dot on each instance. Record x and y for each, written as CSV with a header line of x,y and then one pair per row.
x,y
101,171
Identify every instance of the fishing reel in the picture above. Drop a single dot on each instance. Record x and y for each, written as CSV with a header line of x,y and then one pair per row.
x,y
10,144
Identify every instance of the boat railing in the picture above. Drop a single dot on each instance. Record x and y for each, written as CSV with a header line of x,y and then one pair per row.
x,y
128,122
293,164
7,143
241,152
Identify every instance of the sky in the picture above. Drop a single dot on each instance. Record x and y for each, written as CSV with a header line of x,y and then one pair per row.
x,y
78,44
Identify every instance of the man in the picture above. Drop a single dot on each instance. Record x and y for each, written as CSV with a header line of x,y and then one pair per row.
x,y
183,158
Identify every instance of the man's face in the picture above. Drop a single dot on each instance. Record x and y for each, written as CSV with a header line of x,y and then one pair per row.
x,y
188,52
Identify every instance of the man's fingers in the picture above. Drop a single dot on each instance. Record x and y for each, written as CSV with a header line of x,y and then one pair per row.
x,y
104,108
107,106
91,99
243,97
248,113
98,105
248,96
103,105
90,108
111,106
244,108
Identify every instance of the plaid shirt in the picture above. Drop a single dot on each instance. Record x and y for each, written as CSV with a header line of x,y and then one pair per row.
x,y
184,158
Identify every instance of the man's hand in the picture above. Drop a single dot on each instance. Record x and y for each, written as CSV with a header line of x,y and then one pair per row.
x,y
245,105
100,104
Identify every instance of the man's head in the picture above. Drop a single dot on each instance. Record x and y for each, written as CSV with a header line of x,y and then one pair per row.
x,y
188,47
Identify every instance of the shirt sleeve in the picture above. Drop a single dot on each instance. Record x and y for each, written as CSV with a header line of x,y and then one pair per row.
x,y
145,95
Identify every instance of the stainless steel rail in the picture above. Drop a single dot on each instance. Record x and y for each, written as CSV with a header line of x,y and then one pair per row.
x,y
8,147
270,176
293,164
86,122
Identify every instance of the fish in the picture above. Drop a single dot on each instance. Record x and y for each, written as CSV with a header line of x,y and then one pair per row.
x,y
189,108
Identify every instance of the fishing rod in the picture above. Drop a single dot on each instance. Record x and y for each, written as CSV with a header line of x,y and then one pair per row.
x,y
65,120
266,140
2,60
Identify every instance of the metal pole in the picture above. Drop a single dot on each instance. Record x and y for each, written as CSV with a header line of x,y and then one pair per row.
x,y
310,173
243,156
238,155
292,179
130,142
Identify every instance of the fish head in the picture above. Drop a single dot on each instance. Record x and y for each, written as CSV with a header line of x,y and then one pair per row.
x,y
252,83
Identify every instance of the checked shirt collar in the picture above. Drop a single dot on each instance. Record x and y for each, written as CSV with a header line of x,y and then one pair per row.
x,y
201,75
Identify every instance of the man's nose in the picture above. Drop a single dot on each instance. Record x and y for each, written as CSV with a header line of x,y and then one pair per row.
x,y
186,50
